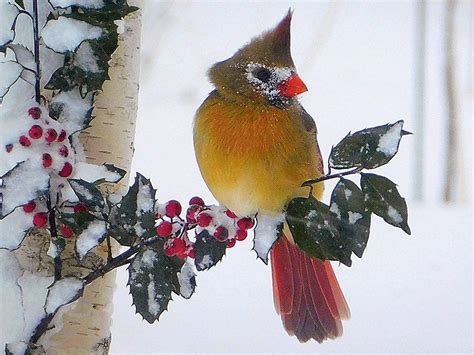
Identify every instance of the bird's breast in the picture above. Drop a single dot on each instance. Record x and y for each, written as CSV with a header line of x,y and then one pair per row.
x,y
253,158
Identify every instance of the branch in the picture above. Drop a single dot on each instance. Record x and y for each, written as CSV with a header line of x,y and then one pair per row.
x,y
330,176
36,49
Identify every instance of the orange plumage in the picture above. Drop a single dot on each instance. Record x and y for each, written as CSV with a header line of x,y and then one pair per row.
x,y
255,146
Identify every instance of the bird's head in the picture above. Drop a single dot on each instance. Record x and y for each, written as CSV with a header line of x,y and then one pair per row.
x,y
262,71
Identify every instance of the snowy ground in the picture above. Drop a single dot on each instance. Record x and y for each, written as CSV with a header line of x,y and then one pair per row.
x,y
408,294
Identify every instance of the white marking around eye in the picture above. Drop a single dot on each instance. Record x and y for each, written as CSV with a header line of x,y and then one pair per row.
x,y
270,88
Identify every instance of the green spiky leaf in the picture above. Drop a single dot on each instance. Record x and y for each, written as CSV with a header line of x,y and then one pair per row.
x,y
209,251
383,199
87,193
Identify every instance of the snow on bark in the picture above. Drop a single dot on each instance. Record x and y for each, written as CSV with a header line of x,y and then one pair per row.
x,y
13,228
63,292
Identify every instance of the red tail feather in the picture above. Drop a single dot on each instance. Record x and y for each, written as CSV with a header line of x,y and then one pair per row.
x,y
307,294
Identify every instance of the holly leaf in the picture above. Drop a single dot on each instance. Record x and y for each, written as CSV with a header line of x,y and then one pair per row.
x,y
112,169
134,216
368,148
383,199
268,231
209,251
353,217
77,221
187,281
66,78
87,193
314,230
150,281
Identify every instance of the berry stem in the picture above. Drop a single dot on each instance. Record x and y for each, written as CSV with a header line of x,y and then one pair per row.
x,y
53,230
36,49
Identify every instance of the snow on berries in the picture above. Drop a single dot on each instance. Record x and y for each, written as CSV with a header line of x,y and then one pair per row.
x,y
221,223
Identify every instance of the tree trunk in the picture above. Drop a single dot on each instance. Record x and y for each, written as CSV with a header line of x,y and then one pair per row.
x,y
84,326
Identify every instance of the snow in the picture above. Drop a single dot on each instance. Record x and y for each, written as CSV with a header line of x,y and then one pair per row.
x,y
394,215
34,288
86,59
270,88
334,209
93,173
266,233
388,143
23,56
144,199
81,190
63,292
8,13
354,217
35,179
73,110
66,34
53,251
9,73
153,305
91,4
186,288
13,227
90,237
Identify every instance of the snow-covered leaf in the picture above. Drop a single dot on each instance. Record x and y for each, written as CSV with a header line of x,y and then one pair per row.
x,y
66,34
63,292
92,4
90,237
269,229
23,55
209,251
314,230
9,73
134,217
8,14
150,281
35,181
87,193
353,217
187,280
13,228
72,110
383,199
77,221
368,148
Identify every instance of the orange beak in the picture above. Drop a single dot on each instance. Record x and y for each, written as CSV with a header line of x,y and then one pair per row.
x,y
292,86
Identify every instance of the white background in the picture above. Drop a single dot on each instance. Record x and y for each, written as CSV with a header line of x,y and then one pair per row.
x,y
407,294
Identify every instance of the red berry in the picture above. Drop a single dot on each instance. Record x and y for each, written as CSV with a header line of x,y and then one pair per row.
x,y
231,243
47,160
175,246
230,214
169,250
196,200
164,229
241,234
40,219
204,219
9,148
51,135
62,135
221,233
35,132
66,231
24,141
66,170
192,212
80,207
35,112
63,151
245,223
29,207
173,208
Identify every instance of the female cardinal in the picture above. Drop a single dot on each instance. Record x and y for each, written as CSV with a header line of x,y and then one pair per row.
x,y
255,145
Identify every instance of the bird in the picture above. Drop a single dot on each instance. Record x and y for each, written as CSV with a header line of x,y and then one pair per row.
x,y
255,145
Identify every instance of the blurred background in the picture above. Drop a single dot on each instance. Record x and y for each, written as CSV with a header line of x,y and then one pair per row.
x,y
365,64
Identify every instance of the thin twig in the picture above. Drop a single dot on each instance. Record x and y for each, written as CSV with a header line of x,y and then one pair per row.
x,y
36,46
332,176
53,230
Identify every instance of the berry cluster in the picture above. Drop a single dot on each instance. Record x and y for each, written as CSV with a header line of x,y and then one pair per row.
x,y
223,224
41,216
50,141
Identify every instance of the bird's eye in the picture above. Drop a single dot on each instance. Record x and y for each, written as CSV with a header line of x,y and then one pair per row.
x,y
262,74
